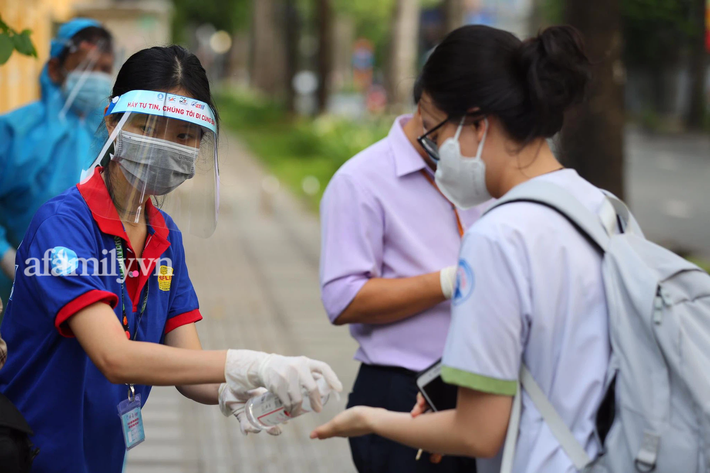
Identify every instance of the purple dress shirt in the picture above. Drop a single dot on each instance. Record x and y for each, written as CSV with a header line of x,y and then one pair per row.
x,y
382,218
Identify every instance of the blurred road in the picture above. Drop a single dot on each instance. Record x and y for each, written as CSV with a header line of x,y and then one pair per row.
x,y
257,280
668,189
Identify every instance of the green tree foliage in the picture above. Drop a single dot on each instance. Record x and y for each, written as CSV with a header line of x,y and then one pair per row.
x,y
11,40
228,15
656,31
372,19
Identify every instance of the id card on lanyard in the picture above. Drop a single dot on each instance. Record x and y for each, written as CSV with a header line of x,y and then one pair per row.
x,y
131,419
130,410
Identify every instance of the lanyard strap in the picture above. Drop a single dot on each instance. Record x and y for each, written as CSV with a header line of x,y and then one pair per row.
x,y
459,225
124,320
122,268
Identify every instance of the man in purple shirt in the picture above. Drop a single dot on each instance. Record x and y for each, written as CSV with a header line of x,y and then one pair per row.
x,y
390,243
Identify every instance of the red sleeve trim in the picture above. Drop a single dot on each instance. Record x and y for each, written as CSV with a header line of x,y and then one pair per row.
x,y
183,319
81,302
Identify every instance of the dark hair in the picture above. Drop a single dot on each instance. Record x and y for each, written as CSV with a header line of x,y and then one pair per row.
x,y
92,34
165,68
528,84
417,91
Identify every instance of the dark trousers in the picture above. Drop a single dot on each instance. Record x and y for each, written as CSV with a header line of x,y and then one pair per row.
x,y
394,389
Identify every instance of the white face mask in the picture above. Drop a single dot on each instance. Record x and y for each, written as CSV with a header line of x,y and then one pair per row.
x,y
462,180
154,165
87,91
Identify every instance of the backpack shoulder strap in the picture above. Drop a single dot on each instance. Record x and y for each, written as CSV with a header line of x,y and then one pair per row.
x,y
557,426
558,199
511,435
626,219
568,441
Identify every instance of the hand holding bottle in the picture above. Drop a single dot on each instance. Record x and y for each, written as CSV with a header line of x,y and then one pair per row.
x,y
287,377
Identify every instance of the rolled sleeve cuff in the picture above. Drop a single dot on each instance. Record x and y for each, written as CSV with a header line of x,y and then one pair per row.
x,y
183,319
338,295
479,382
81,302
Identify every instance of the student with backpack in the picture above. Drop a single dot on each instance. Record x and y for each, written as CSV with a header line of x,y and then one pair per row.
x,y
557,290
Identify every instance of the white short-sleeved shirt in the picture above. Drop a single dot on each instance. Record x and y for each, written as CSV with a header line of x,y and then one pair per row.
x,y
530,288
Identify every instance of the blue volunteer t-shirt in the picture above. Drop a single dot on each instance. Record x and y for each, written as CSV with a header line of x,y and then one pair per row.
x,y
66,262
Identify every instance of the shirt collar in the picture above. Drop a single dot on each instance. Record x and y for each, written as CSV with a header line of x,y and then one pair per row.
x,y
96,195
406,158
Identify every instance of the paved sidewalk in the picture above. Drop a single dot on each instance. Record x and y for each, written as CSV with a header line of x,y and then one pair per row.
x,y
257,281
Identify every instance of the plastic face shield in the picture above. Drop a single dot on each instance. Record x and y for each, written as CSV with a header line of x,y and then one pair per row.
x,y
88,85
160,151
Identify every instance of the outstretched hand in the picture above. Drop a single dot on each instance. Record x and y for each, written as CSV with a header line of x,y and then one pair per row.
x,y
353,422
285,376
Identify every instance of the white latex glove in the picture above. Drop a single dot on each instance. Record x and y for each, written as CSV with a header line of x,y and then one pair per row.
x,y
285,376
233,404
447,277
7,264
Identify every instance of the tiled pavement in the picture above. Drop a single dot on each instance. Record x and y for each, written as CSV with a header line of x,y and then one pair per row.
x,y
257,281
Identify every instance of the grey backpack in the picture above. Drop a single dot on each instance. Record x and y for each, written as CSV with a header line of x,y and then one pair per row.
x,y
658,383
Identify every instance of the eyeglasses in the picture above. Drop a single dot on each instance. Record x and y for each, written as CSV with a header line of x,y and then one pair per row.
x,y
429,145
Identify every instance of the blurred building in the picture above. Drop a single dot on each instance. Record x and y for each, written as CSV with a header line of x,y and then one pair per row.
x,y
134,24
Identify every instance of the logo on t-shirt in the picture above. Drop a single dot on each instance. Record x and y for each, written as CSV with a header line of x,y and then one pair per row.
x,y
464,282
64,261
165,277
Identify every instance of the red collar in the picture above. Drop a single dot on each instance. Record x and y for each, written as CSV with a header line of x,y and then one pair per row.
x,y
104,212
96,195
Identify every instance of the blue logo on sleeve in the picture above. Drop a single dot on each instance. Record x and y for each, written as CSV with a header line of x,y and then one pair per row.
x,y
64,261
465,282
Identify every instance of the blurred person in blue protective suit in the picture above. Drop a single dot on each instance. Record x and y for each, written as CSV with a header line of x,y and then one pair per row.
x,y
43,145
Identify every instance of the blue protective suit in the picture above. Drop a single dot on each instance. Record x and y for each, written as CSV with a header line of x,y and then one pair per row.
x,y
41,153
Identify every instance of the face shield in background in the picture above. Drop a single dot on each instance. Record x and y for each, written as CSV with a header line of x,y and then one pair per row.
x,y
87,86
161,148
